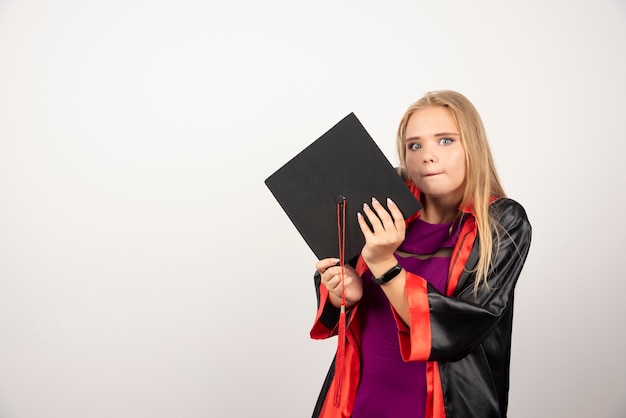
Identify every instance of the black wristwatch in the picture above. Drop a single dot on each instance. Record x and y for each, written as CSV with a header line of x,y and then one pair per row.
x,y
389,275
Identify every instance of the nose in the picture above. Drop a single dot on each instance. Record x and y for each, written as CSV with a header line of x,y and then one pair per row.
x,y
429,157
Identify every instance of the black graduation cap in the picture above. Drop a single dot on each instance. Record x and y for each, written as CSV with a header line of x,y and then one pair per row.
x,y
345,162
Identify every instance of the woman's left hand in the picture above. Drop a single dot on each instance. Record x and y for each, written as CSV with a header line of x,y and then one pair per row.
x,y
387,233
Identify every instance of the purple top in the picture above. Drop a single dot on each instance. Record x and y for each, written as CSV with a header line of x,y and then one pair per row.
x,y
389,386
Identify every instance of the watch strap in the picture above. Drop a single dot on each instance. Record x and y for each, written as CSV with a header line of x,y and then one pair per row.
x,y
390,274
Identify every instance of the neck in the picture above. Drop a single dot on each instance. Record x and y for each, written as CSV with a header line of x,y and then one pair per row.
x,y
435,211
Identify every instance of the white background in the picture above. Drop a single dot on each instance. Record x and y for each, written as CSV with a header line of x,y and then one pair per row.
x,y
147,271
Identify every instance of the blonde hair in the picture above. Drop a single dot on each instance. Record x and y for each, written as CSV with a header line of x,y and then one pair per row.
x,y
481,178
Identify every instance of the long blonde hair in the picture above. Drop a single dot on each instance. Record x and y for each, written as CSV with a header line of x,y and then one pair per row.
x,y
481,179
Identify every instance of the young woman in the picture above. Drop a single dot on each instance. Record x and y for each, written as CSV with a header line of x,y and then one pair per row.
x,y
430,299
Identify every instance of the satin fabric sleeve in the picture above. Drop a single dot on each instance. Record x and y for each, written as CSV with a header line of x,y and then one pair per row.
x,y
446,328
327,316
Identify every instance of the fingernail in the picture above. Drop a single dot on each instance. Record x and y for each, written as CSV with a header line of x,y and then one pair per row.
x,y
374,200
390,202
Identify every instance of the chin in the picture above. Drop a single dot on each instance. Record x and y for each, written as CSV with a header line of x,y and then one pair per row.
x,y
437,193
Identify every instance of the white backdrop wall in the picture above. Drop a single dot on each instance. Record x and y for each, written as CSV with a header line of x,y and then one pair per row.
x,y
146,270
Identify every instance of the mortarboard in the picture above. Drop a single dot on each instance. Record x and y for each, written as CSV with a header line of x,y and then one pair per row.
x,y
345,162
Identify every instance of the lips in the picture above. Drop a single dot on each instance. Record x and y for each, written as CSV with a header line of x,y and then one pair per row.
x,y
431,174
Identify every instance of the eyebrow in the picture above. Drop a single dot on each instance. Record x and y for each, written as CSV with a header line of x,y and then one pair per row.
x,y
437,135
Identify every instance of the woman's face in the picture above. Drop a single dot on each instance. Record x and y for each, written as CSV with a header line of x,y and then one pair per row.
x,y
435,157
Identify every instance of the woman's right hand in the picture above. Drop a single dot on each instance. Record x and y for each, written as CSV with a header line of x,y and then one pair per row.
x,y
331,279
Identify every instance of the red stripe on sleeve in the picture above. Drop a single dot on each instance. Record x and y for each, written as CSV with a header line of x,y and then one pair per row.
x,y
415,342
462,251
434,396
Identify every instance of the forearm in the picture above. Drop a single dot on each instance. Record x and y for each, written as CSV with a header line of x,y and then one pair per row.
x,y
395,289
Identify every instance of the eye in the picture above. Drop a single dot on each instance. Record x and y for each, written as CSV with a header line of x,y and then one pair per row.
x,y
414,146
446,141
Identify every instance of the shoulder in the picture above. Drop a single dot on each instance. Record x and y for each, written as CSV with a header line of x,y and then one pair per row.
x,y
509,214
504,207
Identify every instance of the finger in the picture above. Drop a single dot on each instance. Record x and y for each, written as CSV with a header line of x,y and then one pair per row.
x,y
382,213
365,228
325,263
334,284
327,279
373,218
398,217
